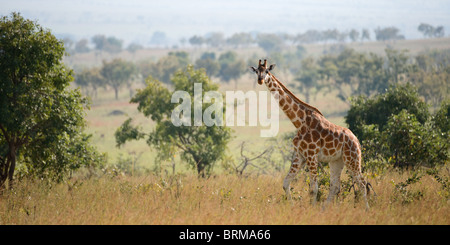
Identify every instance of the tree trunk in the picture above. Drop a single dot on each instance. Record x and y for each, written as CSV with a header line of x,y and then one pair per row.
x,y
12,166
3,172
116,91
200,166
131,92
201,170
7,167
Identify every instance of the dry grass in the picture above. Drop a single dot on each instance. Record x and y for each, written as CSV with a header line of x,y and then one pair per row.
x,y
223,199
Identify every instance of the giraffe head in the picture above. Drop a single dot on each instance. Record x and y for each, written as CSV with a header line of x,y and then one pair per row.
x,y
262,71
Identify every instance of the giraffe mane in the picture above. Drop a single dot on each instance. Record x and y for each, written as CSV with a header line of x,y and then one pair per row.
x,y
295,98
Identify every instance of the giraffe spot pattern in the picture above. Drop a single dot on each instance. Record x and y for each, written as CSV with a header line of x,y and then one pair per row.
x,y
316,134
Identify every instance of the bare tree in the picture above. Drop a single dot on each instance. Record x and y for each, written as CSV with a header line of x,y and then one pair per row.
x,y
247,161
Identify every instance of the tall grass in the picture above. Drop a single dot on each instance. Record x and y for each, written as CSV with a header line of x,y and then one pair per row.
x,y
222,199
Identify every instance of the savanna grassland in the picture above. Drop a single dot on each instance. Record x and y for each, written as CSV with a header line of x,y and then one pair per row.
x,y
172,194
220,199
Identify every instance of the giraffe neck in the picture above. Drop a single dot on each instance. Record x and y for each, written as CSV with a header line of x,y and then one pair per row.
x,y
295,109
295,98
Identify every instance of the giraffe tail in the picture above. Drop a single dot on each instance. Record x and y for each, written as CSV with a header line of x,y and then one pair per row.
x,y
368,187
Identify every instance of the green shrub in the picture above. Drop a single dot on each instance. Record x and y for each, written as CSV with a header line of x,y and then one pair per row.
x,y
378,109
396,128
411,143
403,191
440,118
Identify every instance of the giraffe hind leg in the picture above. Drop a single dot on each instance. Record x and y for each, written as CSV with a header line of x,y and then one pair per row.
x,y
312,163
335,179
352,160
361,183
296,165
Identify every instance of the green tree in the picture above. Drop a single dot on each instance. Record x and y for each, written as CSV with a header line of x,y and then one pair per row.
x,y
215,39
269,42
200,146
208,62
376,110
108,44
372,77
430,72
291,60
82,46
343,72
159,38
99,41
231,66
313,36
117,73
196,40
41,122
68,45
396,63
353,73
90,77
182,56
330,35
426,29
165,67
308,77
439,31
431,31
354,35
350,66
388,33
240,39
365,35
133,47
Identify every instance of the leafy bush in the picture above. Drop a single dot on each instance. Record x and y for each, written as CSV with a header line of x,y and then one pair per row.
x,y
372,148
403,191
396,127
440,118
409,142
378,109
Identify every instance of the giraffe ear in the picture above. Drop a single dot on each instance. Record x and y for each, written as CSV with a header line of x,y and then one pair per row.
x,y
271,67
254,69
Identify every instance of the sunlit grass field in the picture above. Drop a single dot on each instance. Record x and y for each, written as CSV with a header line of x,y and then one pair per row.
x,y
218,200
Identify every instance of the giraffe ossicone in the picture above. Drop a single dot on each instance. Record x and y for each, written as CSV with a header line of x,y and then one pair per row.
x,y
317,140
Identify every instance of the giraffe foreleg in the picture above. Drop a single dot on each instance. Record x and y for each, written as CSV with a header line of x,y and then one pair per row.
x,y
296,165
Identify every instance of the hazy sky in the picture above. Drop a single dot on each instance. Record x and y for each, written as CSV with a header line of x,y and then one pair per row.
x,y
137,20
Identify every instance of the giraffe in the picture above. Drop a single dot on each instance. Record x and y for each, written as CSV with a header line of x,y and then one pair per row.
x,y
317,139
